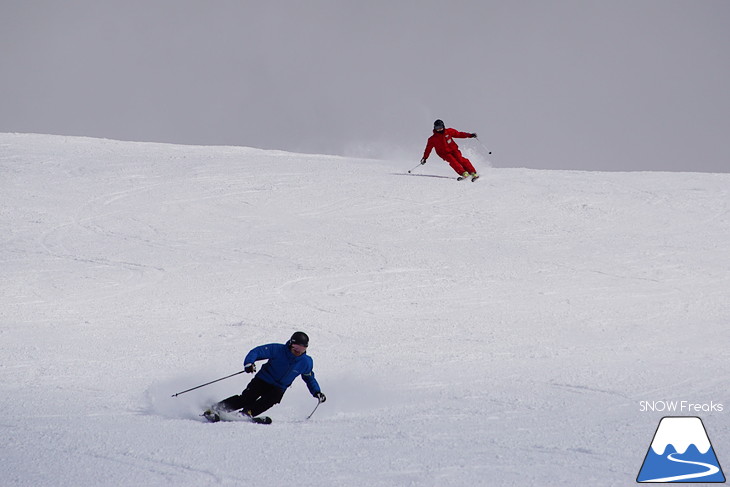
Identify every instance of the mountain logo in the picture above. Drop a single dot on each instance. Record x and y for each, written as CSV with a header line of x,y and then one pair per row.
x,y
680,452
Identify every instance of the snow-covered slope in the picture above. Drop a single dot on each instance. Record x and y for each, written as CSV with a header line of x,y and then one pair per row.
x,y
501,332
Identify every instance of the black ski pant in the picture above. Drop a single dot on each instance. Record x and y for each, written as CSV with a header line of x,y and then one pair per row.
x,y
255,399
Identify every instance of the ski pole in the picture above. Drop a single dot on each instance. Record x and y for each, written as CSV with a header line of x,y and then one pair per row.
x,y
480,142
315,408
419,164
208,383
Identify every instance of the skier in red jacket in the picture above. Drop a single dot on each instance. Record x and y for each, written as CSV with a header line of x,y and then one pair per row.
x,y
443,141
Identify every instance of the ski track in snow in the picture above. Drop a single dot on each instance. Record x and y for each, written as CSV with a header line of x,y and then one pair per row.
x,y
495,333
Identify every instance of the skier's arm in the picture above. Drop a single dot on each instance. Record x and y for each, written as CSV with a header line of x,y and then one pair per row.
x,y
312,383
461,135
427,152
262,352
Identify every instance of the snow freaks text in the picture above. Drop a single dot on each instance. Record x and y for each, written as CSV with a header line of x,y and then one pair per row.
x,y
683,407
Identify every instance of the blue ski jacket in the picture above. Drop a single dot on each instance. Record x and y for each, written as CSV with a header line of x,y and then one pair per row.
x,y
283,366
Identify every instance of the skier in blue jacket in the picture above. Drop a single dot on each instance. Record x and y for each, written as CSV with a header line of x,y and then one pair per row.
x,y
285,363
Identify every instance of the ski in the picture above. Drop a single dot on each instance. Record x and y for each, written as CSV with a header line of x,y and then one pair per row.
x,y
473,178
216,416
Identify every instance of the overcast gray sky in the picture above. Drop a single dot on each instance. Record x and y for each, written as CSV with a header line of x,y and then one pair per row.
x,y
560,84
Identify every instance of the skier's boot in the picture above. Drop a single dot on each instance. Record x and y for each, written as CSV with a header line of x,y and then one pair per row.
x,y
211,415
474,176
463,176
255,419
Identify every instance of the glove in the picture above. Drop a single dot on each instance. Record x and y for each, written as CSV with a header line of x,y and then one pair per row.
x,y
322,398
423,161
473,136
249,368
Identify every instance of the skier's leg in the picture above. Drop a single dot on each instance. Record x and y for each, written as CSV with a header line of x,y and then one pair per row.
x,y
454,163
245,400
465,163
271,396
230,404
255,389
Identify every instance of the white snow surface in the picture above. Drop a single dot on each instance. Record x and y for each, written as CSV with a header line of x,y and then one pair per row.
x,y
501,332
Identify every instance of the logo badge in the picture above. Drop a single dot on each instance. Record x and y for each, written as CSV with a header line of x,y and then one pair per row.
x,y
680,452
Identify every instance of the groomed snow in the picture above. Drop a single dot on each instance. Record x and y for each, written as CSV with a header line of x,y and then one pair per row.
x,y
498,333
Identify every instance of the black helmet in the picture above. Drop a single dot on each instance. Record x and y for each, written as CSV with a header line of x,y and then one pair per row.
x,y
299,338
438,124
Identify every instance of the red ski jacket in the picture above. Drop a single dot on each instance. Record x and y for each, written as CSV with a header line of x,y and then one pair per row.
x,y
444,142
